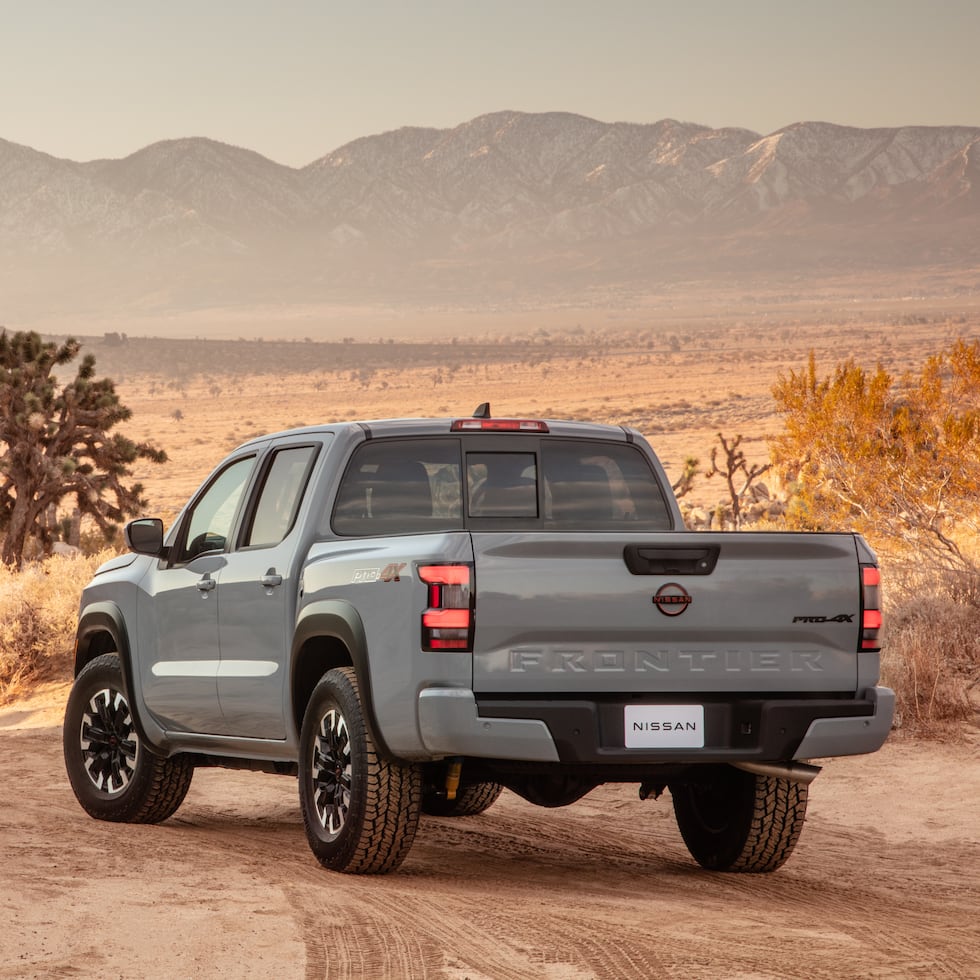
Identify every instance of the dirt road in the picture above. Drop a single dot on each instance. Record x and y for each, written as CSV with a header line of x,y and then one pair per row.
x,y
884,883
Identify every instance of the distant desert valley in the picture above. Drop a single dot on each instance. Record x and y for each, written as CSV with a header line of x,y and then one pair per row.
x,y
678,374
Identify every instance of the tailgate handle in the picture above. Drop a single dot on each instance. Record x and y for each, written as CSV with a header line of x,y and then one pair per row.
x,y
651,560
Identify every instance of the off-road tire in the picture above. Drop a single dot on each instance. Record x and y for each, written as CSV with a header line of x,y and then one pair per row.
x,y
470,800
360,811
113,774
738,821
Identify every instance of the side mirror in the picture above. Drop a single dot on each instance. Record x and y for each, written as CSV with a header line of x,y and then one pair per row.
x,y
144,536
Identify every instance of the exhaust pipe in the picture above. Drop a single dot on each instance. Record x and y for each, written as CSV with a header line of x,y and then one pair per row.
x,y
797,772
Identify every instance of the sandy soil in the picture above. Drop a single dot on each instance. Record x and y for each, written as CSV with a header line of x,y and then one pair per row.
x,y
885,882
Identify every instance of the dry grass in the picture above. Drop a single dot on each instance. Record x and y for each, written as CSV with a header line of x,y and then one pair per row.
x,y
38,616
931,653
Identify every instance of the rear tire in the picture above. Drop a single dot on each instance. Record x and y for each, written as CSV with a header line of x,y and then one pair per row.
x,y
470,800
733,820
360,811
113,774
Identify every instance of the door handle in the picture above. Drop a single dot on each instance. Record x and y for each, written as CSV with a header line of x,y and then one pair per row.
x,y
271,579
206,584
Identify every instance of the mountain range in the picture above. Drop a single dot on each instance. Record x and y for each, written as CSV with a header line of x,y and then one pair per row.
x,y
506,205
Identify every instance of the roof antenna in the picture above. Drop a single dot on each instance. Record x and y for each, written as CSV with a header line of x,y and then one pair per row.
x,y
483,412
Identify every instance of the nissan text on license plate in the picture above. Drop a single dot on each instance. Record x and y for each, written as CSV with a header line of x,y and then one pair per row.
x,y
664,726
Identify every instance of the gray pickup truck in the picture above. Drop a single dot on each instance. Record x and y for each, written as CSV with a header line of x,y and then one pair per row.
x,y
410,615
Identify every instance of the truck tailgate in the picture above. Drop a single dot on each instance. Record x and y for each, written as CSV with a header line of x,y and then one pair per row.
x,y
562,613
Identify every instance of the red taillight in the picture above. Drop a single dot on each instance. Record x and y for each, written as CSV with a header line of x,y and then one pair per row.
x,y
447,623
871,619
442,619
499,425
445,574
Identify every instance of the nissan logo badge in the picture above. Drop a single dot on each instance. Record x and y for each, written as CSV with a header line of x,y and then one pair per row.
x,y
672,599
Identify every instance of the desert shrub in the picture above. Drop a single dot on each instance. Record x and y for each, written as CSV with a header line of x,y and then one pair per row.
x,y
897,459
38,616
931,654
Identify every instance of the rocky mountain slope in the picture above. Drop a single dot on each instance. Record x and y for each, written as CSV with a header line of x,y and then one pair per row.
x,y
508,201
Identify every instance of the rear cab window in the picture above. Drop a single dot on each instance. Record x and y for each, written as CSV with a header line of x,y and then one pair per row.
x,y
400,486
502,484
601,485
494,482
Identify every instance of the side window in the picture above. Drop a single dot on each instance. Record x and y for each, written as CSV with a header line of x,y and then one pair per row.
x,y
400,486
601,486
502,484
280,496
209,523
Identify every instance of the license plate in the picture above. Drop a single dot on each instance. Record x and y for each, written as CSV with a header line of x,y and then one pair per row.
x,y
664,726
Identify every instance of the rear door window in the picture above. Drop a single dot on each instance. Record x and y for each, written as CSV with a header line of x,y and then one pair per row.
x,y
279,499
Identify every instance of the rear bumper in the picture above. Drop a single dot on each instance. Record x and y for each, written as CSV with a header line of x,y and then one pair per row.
x,y
590,732
450,724
851,736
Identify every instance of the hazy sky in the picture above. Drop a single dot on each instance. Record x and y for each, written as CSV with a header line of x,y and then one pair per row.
x,y
295,79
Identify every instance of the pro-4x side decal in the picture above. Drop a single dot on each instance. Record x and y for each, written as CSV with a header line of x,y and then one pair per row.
x,y
390,573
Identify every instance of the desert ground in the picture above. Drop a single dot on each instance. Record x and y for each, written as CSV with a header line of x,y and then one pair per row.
x,y
885,882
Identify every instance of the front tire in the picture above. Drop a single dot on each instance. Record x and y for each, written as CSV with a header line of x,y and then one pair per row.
x,y
113,774
733,820
360,811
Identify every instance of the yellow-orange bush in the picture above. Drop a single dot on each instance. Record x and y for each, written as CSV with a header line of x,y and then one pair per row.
x,y
38,616
897,459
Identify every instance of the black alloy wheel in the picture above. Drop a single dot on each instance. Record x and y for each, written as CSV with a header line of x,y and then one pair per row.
x,y
331,774
108,742
114,775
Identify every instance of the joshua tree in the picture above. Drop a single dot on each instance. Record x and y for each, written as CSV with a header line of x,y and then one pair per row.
x,y
55,443
739,475
684,484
